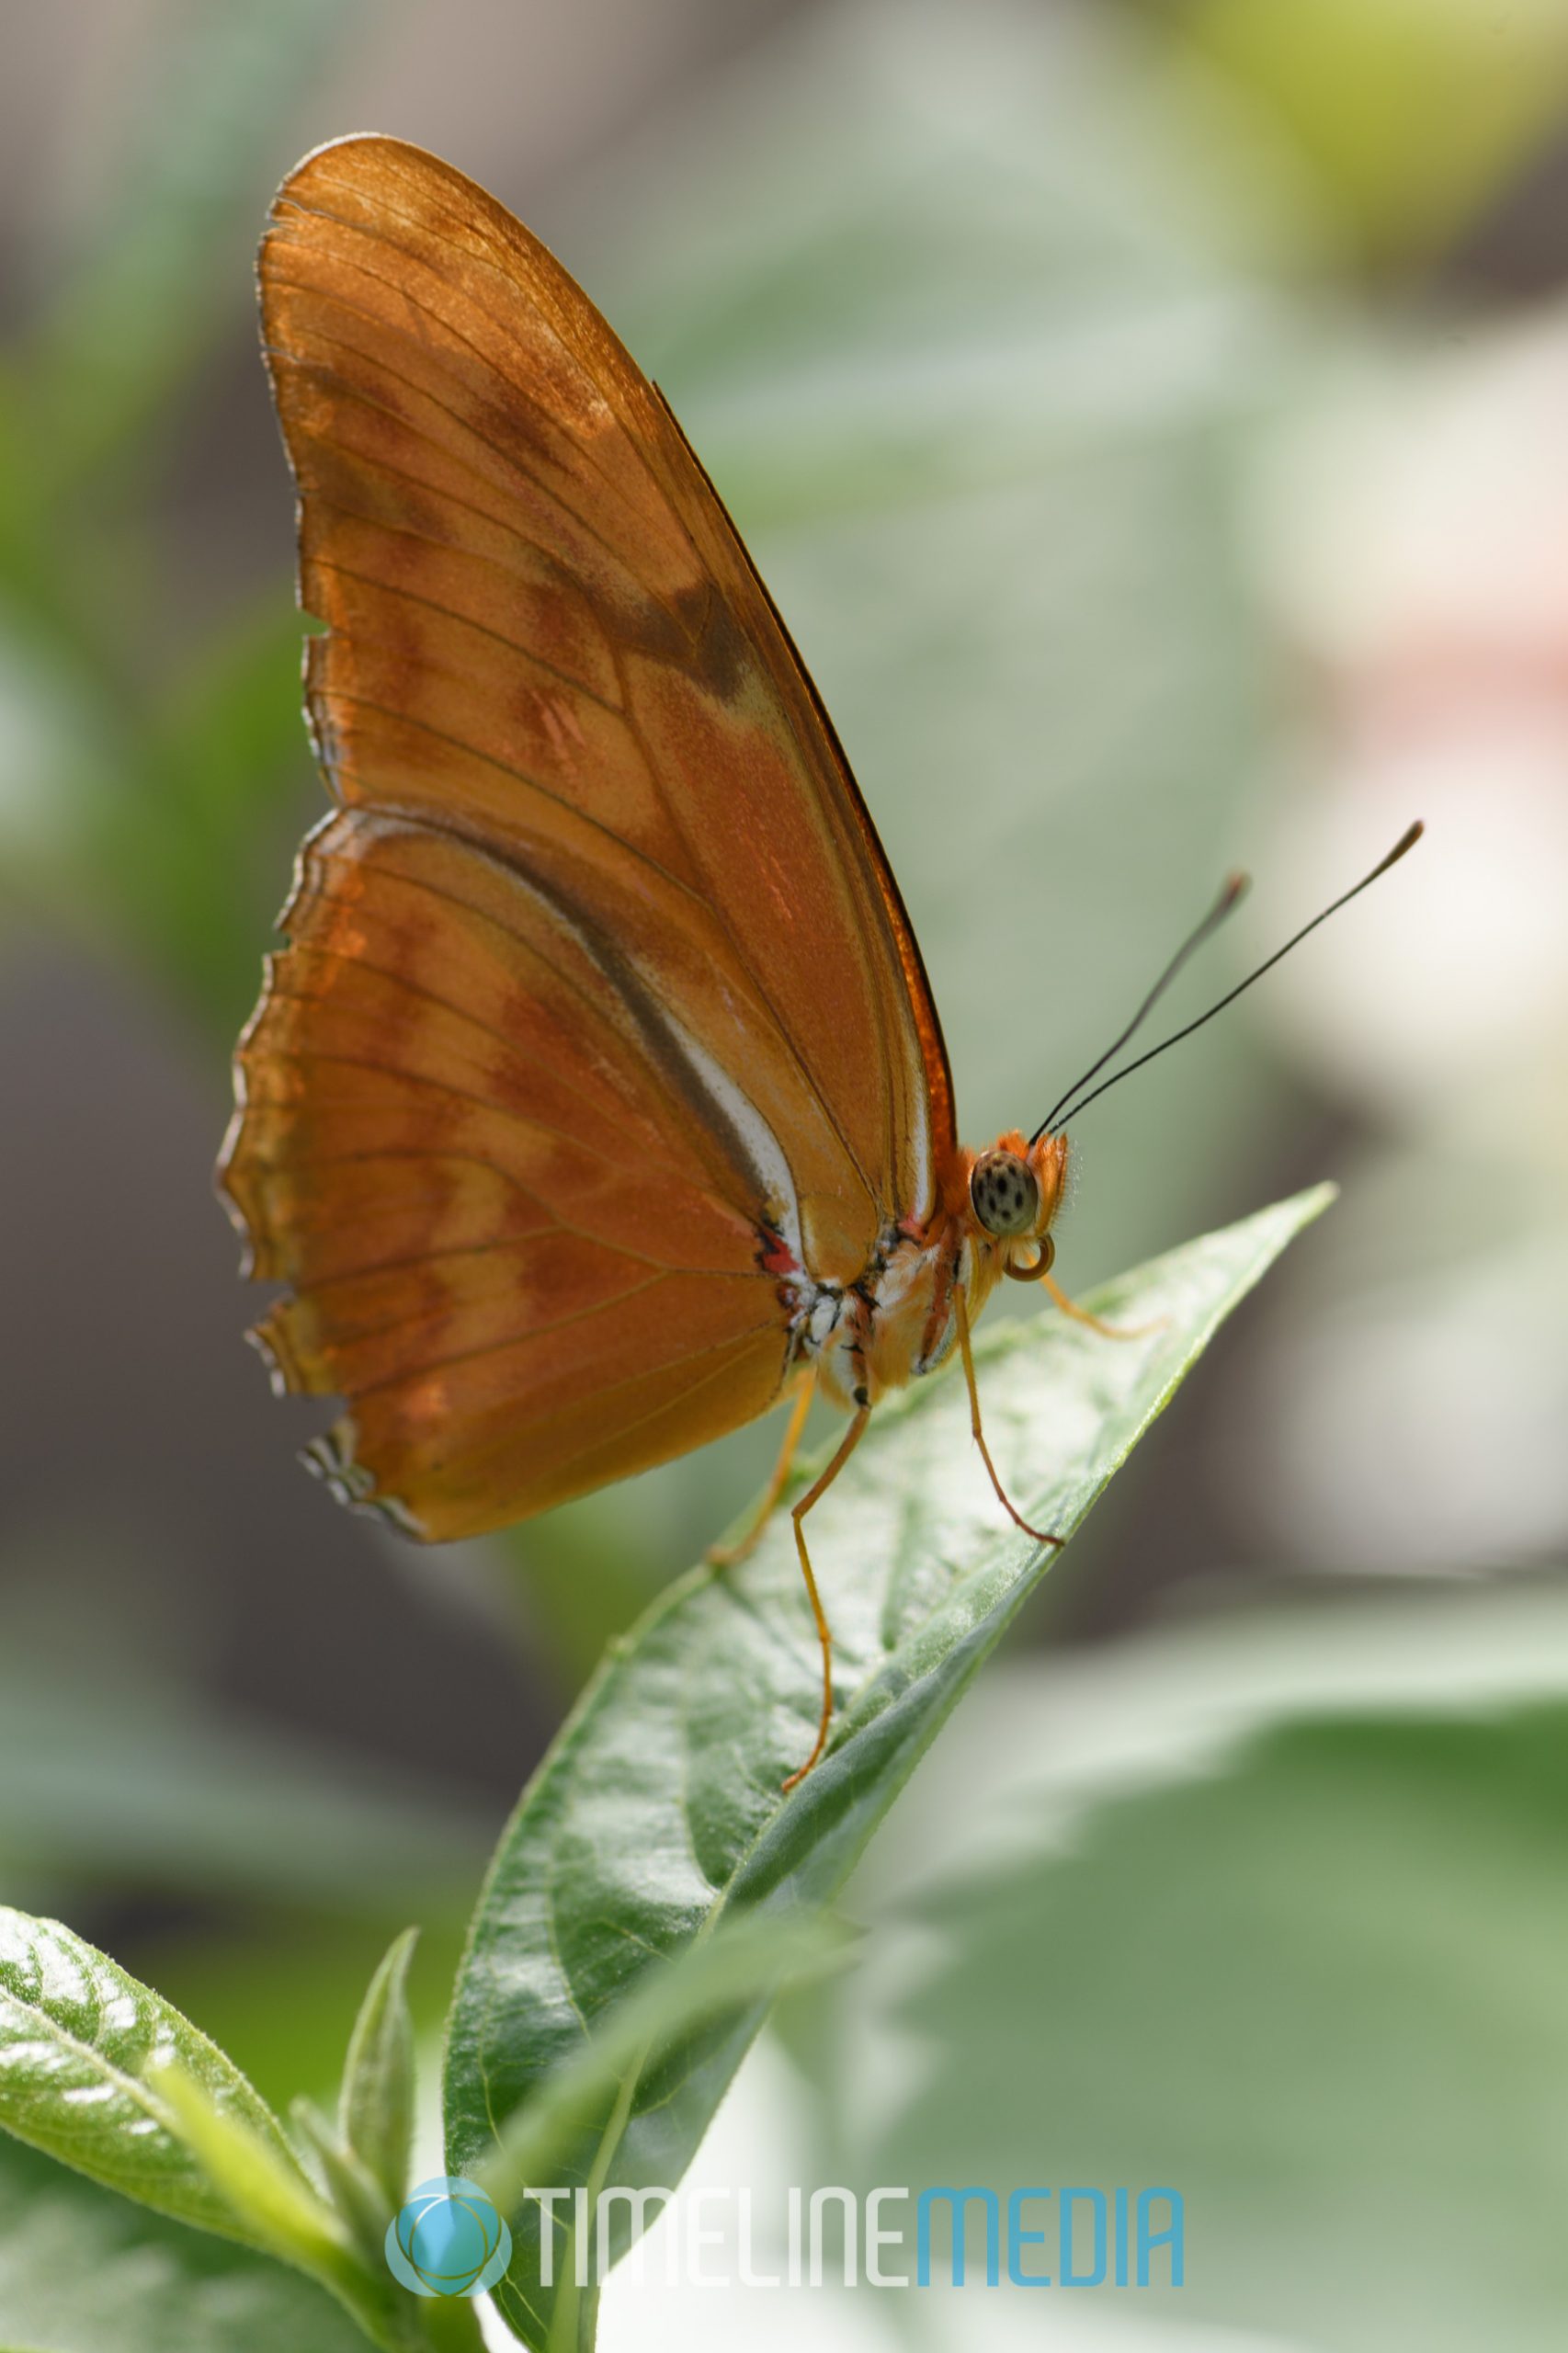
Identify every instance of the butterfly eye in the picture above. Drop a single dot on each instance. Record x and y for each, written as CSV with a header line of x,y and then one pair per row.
x,y
1004,1193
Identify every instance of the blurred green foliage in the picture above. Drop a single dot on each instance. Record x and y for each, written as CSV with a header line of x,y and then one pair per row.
x,y
129,799
975,316
1274,1917
80,2270
1410,115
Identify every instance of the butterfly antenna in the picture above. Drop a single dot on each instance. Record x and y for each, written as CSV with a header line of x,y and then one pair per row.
x,y
1235,889
1406,841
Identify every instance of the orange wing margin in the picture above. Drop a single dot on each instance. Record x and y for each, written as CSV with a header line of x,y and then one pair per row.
x,y
599,972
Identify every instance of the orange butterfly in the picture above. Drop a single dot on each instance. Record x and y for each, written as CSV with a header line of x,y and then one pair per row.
x,y
597,1101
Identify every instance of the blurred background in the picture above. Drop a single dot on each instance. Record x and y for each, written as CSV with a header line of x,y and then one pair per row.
x,y
1151,420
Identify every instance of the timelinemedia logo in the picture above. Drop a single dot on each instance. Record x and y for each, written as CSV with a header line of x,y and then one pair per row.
x,y
1033,2236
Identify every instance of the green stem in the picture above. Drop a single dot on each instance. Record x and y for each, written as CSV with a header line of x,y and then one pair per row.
x,y
451,2325
575,2323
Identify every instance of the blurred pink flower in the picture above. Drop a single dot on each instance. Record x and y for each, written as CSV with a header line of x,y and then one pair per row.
x,y
1414,542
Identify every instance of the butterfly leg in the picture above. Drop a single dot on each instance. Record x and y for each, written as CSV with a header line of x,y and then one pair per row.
x,y
1096,1324
813,1495
1040,1535
724,1556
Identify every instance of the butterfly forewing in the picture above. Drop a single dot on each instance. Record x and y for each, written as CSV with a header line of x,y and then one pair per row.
x,y
596,981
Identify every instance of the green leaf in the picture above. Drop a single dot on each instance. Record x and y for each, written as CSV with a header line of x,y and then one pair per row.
x,y
96,2070
391,2315
1317,1985
78,2039
359,2198
84,2271
276,2206
376,2110
742,1961
659,1807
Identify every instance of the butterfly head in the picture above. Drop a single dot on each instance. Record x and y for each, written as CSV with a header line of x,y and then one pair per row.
x,y
1015,1190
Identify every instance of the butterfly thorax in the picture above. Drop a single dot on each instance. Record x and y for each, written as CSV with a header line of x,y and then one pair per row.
x,y
898,1320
